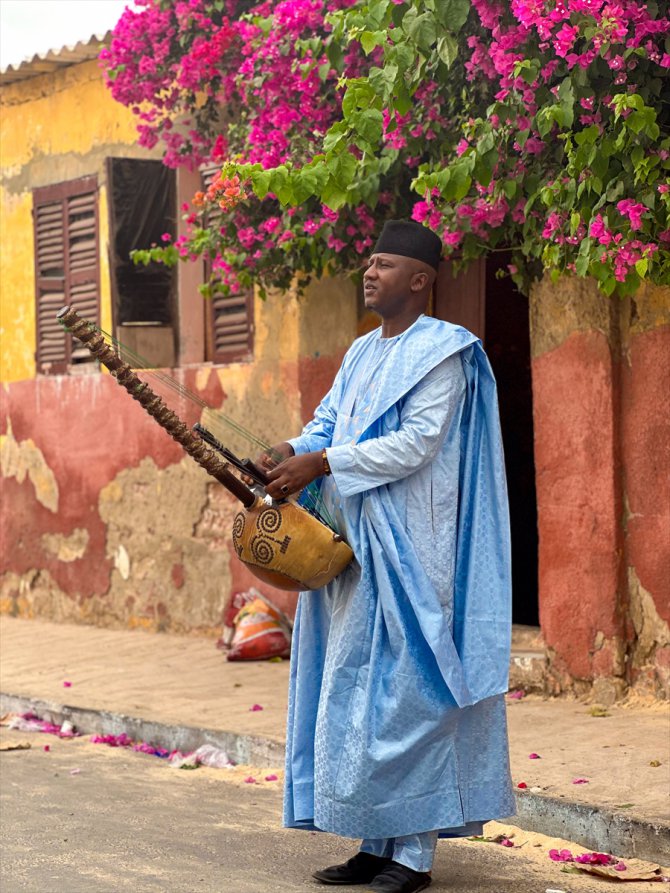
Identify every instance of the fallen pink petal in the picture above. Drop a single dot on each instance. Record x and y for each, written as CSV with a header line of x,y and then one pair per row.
x,y
506,842
272,778
561,856
250,780
595,859
534,756
75,771
47,748
516,695
67,685
580,781
255,707
522,784
620,866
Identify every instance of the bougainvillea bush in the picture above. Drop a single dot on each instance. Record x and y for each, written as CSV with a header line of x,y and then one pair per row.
x,y
210,81
534,126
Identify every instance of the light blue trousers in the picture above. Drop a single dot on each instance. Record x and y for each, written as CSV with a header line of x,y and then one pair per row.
x,y
416,851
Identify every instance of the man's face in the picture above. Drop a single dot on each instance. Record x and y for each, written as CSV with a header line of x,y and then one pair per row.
x,y
387,283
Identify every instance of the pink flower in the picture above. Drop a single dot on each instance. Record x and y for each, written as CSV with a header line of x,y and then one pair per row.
x,y
336,244
564,39
420,211
561,856
166,237
534,756
271,224
633,210
594,859
254,708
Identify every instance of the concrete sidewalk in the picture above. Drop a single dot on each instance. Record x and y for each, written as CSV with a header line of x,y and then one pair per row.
x,y
179,692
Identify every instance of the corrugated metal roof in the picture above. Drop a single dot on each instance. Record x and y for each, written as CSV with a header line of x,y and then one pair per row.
x,y
53,60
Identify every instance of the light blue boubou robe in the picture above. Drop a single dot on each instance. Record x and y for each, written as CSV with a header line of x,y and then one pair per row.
x,y
399,666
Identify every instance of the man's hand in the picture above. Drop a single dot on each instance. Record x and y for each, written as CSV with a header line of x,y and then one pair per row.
x,y
294,473
274,455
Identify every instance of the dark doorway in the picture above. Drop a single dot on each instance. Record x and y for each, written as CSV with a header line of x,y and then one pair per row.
x,y
493,308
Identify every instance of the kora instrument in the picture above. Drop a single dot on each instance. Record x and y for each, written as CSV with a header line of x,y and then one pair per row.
x,y
282,543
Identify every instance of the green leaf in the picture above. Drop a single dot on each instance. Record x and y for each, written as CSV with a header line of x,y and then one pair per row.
x,y
403,55
260,180
588,135
582,264
567,102
600,166
447,49
369,40
383,79
641,267
510,188
342,168
420,28
402,101
335,54
377,10
333,196
459,182
368,124
452,13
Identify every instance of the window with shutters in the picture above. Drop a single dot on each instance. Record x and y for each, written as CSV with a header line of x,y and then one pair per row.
x,y
66,268
229,321
141,209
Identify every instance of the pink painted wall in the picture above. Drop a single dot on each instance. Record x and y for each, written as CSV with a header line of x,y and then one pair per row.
x,y
602,451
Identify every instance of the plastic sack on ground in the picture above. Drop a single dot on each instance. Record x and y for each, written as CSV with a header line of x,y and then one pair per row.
x,y
205,755
260,630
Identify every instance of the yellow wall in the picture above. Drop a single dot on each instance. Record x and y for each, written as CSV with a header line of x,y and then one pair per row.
x,y
53,128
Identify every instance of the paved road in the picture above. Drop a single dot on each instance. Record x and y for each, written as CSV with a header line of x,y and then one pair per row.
x,y
130,822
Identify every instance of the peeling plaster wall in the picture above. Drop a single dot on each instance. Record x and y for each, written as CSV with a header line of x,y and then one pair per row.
x,y
108,521
602,450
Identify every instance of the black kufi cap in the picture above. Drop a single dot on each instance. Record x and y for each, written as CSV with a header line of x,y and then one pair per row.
x,y
410,239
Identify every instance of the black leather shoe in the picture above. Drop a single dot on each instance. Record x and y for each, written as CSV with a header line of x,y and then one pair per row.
x,y
360,869
397,878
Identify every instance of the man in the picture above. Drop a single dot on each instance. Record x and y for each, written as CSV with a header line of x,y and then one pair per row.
x,y
396,727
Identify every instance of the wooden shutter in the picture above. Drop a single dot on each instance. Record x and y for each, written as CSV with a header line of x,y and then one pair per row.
x,y
229,321
231,335
66,267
